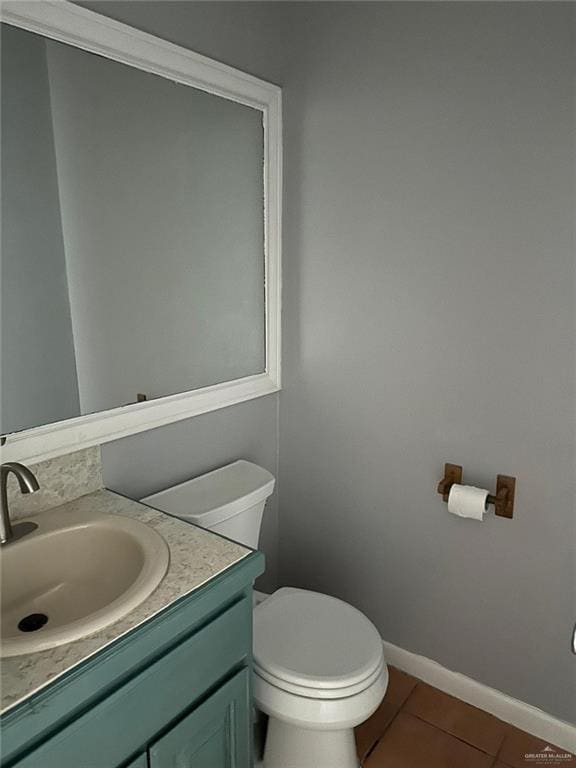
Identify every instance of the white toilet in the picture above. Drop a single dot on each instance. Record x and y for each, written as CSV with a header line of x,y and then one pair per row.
x,y
319,667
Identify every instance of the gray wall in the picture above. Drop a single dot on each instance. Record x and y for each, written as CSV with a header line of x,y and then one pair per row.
x,y
429,317
38,381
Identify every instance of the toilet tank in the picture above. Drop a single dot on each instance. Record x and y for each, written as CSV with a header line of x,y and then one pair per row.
x,y
229,500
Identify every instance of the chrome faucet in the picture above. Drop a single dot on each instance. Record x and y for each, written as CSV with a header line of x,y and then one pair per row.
x,y
28,484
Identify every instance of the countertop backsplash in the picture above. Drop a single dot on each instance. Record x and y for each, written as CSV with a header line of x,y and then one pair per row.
x,y
61,480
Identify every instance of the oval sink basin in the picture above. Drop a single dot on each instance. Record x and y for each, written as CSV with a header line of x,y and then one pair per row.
x,y
76,573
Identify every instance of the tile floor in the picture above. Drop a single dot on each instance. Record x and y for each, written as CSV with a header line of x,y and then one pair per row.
x,y
418,726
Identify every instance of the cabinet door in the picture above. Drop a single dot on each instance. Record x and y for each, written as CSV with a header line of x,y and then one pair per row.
x,y
215,735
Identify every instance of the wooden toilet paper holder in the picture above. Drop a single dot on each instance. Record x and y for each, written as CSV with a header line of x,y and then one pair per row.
x,y
503,499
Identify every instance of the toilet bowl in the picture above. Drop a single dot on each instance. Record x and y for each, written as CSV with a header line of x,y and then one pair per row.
x,y
319,671
319,667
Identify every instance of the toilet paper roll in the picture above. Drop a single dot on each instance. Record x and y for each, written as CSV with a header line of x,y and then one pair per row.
x,y
468,501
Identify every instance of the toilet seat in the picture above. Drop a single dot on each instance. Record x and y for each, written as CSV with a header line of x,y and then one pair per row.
x,y
320,693
320,714
315,646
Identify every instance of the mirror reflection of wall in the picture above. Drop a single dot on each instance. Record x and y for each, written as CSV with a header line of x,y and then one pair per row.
x,y
132,237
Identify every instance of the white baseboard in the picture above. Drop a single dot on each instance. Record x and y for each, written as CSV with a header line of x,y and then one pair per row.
x,y
499,704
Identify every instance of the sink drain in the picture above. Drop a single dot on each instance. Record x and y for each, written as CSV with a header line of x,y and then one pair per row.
x,y
32,622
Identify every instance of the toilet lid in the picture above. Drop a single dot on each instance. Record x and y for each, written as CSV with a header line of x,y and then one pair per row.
x,y
314,640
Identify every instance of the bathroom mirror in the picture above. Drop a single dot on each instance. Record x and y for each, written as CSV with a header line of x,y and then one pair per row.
x,y
140,231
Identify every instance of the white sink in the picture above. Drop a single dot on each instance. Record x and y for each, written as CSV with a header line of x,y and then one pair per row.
x,y
75,574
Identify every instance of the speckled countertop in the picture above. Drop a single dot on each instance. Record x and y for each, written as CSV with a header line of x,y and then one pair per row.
x,y
196,556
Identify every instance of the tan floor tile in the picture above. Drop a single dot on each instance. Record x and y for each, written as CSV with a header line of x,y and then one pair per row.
x,y
400,685
370,731
467,723
412,743
518,745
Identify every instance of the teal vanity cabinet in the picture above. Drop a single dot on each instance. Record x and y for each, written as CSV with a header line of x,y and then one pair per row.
x,y
173,693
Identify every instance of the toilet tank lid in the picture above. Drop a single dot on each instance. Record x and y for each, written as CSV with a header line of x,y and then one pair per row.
x,y
216,496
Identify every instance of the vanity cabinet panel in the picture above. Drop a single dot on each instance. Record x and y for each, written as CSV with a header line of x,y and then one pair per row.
x,y
215,735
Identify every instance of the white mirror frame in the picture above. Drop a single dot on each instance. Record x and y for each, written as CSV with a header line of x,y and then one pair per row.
x,y
79,27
